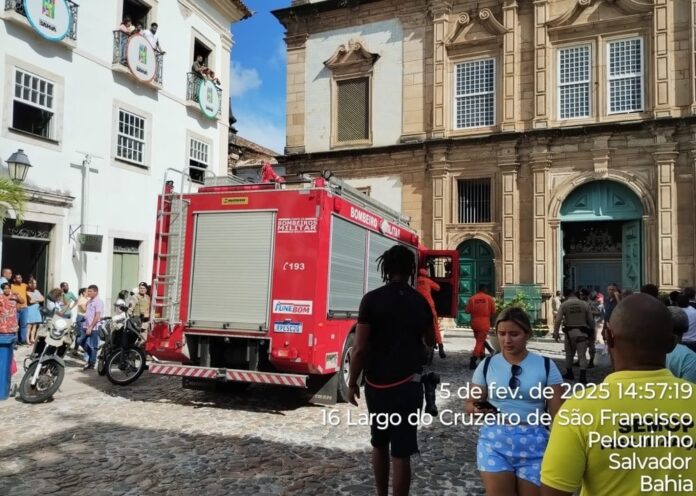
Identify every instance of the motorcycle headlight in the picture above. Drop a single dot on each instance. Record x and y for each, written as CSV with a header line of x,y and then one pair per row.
x,y
58,328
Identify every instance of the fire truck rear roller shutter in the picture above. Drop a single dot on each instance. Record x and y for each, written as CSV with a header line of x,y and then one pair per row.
x,y
378,245
347,270
231,270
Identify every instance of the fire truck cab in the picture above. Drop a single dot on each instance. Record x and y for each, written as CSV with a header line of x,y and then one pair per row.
x,y
261,283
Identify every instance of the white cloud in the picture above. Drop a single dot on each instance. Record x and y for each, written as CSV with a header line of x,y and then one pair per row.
x,y
242,79
280,57
260,130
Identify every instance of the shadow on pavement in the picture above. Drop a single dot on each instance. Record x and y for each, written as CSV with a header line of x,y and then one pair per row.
x,y
159,389
108,458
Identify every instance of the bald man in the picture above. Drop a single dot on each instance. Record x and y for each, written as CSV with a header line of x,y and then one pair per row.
x,y
624,408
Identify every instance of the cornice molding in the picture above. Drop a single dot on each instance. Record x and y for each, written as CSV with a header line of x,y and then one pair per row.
x,y
352,57
485,17
627,6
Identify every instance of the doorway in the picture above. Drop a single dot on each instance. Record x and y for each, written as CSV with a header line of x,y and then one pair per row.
x,y
601,238
25,250
126,266
476,267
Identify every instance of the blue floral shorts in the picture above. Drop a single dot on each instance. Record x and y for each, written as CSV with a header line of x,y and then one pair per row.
x,y
518,449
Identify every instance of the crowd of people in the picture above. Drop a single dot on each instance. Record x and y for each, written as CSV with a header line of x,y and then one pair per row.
x,y
584,315
553,457
127,29
23,309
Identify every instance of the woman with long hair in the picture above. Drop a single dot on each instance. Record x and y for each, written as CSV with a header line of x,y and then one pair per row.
x,y
509,453
33,315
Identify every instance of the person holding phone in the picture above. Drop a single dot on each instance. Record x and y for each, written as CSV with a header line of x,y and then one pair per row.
x,y
509,453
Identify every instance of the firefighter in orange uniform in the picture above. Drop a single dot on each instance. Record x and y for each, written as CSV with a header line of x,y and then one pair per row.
x,y
481,307
426,286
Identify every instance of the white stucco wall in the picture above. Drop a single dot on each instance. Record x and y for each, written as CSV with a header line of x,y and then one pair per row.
x,y
121,197
386,189
384,38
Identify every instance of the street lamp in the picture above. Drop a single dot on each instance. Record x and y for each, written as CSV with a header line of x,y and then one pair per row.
x,y
18,165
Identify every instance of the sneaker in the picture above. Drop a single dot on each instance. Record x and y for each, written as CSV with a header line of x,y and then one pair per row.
x,y
89,366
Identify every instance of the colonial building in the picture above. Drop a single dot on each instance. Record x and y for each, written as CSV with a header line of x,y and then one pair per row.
x,y
101,114
551,142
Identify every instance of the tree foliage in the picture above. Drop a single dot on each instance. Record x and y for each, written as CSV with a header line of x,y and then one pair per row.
x,y
12,200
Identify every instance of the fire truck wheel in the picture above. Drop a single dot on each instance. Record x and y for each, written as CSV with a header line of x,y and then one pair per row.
x,y
344,373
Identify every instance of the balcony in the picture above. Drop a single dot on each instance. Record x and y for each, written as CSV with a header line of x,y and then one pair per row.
x,y
51,30
135,56
203,94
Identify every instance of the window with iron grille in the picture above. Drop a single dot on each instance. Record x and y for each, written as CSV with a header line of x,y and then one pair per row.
x,y
353,109
131,137
474,204
625,76
574,82
33,105
474,96
198,157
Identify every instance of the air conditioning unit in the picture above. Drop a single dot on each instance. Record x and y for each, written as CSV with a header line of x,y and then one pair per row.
x,y
90,242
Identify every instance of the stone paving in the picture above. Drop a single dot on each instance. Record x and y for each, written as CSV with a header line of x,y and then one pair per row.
x,y
153,437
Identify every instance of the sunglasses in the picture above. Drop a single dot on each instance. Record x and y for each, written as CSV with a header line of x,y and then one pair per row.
x,y
515,370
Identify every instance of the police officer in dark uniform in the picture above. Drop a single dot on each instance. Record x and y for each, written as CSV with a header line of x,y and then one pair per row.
x,y
578,324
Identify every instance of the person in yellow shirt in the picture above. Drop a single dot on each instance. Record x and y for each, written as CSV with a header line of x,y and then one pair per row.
x,y
635,432
19,287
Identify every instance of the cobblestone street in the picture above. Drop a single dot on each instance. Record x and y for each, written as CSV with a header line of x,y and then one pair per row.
x,y
154,437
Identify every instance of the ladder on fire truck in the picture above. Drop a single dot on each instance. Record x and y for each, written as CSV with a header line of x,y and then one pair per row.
x,y
171,230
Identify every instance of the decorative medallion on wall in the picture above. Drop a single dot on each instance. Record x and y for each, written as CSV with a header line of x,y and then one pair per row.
x,y
141,59
208,99
51,19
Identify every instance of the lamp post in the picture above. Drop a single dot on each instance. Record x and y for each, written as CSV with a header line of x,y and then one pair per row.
x,y
18,165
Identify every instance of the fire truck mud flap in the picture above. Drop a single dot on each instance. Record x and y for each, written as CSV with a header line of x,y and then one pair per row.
x,y
232,375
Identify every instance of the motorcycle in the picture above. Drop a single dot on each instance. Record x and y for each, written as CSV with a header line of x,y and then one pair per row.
x,y
121,358
44,367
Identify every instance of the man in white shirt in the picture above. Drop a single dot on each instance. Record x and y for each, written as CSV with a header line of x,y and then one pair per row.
x,y
6,276
151,36
689,337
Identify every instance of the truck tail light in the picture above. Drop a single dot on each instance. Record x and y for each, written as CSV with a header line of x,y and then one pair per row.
x,y
285,353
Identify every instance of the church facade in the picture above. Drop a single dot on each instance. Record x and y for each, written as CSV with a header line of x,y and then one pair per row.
x,y
551,142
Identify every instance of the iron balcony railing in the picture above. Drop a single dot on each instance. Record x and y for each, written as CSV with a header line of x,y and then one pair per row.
x,y
119,55
18,6
193,81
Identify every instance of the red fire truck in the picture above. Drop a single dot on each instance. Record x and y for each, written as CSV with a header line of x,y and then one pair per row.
x,y
261,283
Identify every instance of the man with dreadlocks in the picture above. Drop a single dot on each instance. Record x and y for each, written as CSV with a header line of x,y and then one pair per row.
x,y
393,337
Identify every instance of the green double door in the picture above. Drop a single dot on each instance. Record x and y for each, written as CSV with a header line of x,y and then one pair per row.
x,y
476,267
631,257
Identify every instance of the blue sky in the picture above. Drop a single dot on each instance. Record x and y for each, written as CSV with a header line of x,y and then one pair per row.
x,y
257,75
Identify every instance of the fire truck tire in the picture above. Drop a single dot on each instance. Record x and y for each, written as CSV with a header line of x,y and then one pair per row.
x,y
344,372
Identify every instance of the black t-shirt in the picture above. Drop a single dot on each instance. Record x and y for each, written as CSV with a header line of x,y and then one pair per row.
x,y
398,317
